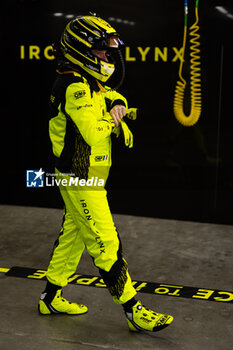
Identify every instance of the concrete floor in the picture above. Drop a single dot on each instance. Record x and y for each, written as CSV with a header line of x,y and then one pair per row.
x,y
163,251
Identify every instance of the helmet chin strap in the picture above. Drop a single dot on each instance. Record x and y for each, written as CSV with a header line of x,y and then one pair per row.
x,y
101,86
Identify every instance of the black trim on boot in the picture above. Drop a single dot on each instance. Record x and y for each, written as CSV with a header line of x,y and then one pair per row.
x,y
129,304
50,290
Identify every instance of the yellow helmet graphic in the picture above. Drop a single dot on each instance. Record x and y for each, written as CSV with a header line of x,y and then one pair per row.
x,y
83,38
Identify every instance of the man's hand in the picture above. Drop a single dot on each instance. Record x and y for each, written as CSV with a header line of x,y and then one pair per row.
x,y
117,113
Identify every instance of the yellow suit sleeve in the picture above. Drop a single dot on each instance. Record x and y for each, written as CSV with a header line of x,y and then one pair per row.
x,y
80,109
116,98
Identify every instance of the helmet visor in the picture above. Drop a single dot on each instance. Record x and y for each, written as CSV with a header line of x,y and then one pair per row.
x,y
112,42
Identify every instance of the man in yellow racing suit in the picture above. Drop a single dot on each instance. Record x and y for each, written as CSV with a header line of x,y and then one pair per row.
x,y
83,115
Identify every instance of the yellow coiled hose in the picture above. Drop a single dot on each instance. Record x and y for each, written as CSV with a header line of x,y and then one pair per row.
x,y
195,73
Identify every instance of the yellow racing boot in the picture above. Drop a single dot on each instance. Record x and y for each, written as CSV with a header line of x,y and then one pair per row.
x,y
143,319
59,305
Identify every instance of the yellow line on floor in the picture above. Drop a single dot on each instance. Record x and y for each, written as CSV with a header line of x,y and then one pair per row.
x,y
4,269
